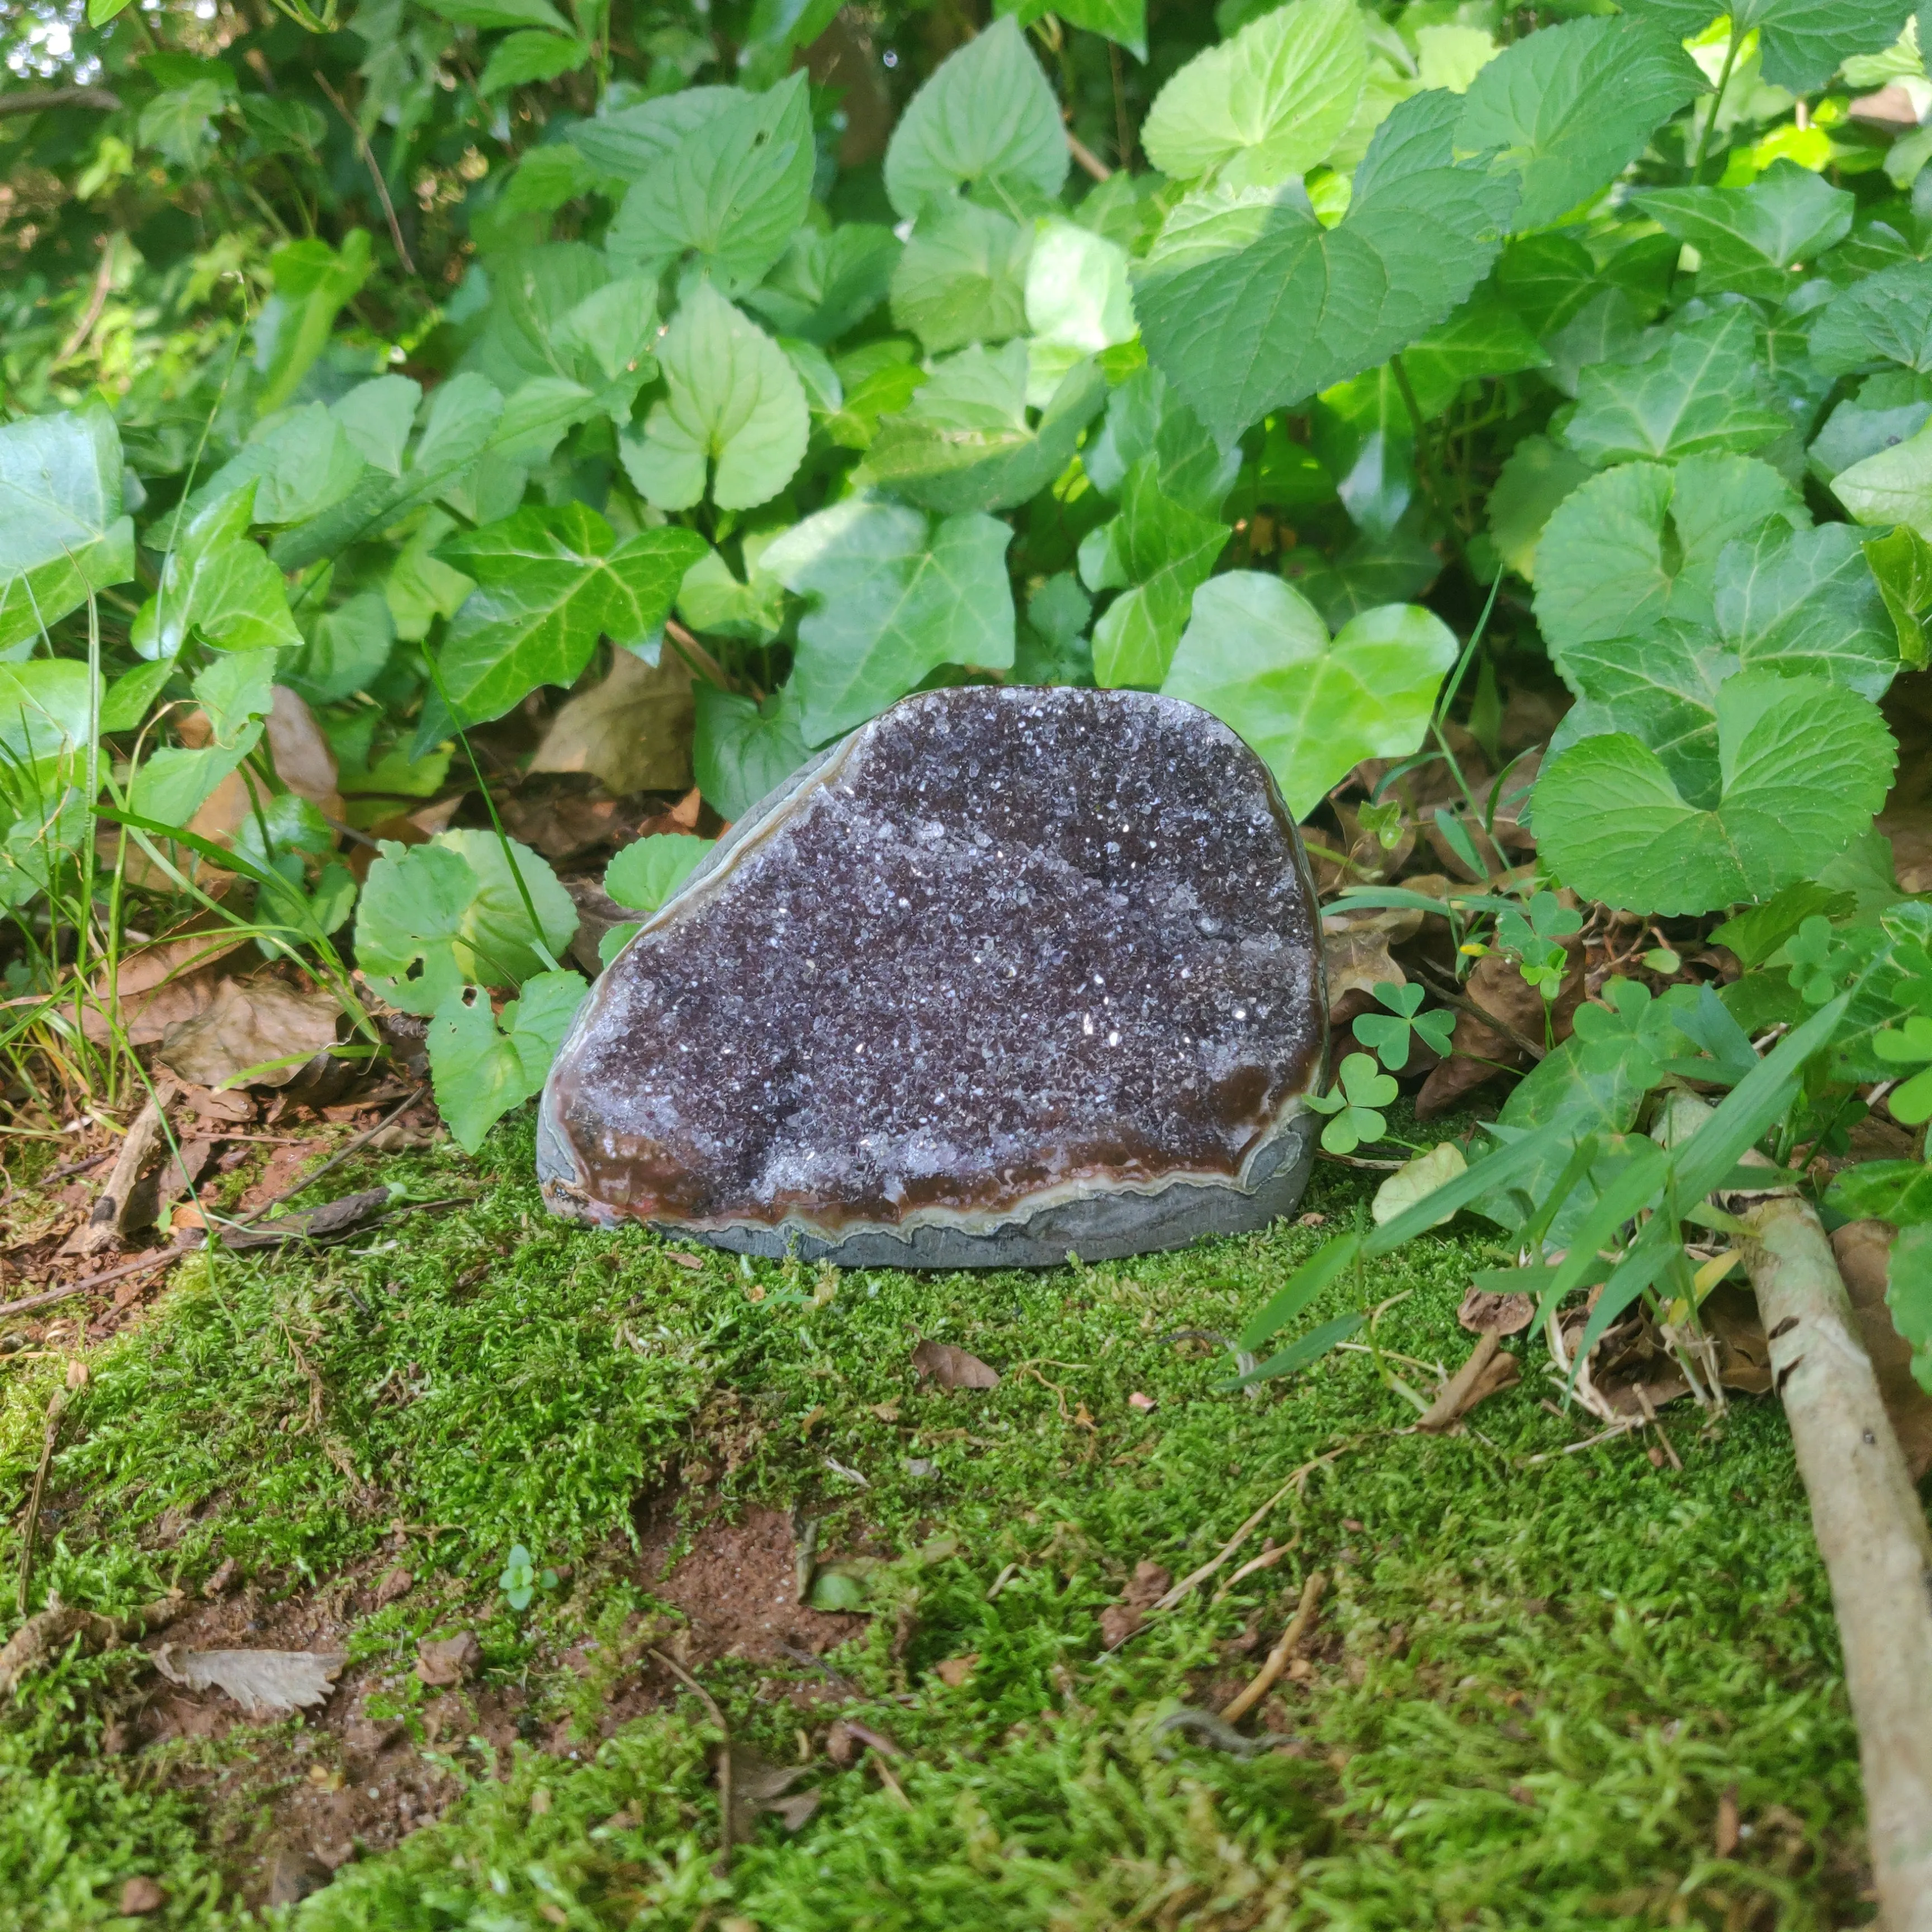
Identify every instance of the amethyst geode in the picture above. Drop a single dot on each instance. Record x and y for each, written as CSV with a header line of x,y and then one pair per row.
x,y
1005,975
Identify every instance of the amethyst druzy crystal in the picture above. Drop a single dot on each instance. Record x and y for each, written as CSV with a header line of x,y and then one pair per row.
x,y
1007,974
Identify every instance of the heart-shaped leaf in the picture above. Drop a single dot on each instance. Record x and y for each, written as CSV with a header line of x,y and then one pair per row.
x,y
483,1066
1257,654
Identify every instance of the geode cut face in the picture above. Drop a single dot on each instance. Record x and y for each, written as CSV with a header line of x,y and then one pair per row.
x,y
1005,974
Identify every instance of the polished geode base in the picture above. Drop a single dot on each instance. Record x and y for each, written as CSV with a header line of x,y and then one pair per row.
x,y
1008,974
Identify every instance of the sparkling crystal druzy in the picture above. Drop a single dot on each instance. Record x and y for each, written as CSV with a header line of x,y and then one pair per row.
x,y
1006,974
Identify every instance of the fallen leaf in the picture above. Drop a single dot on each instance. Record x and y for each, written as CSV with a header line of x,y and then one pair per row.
x,y
293,1872
953,1368
758,1785
264,1683
1489,1370
448,1659
251,1023
303,759
683,1260
1725,1839
1119,1621
1483,1313
310,1224
159,987
1353,963
632,731
1416,1179
954,1671
141,1896
1142,1403
222,1580
1864,1249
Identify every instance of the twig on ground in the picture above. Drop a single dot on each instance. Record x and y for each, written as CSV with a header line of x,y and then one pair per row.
x,y
308,1180
1263,1681
1268,1559
160,1257
717,1717
1496,1023
30,1533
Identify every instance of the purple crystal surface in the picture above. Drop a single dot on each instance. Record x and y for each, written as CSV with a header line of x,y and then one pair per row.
x,y
1003,948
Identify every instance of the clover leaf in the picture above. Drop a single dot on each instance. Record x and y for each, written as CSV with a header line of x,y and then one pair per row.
x,y
1630,1033
1908,1045
1387,1035
1353,1101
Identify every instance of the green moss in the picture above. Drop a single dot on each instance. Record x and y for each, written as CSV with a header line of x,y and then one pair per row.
x,y
1544,1677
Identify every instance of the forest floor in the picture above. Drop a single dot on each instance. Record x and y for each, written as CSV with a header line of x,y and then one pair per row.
x,y
1542,1689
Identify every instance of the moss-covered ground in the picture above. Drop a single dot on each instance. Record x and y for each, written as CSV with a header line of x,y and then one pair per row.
x,y
1579,1692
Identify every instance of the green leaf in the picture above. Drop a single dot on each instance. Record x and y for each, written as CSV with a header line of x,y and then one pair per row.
x,y
1078,303
1300,1354
1571,106
518,59
312,282
1901,565
1247,303
962,277
1885,318
743,750
482,1068
1640,543
302,463
627,143
648,871
236,691
1268,104
436,918
1298,1292
711,599
34,598
1908,1294
129,695
1146,419
1485,336
549,584
1257,655
825,282
346,651
1894,487
1699,393
734,400
375,417
44,710
61,531
894,597
965,444
1159,553
1537,476
500,13
733,193
1800,41
1898,1191
179,122
218,585
1803,767
1754,241
987,118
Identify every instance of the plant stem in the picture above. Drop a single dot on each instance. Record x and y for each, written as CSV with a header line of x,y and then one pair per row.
x,y
1717,101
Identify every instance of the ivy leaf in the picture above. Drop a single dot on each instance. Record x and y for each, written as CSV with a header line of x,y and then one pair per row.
x,y
1538,475
1901,565
743,750
301,465
1885,318
1257,654
517,59
962,277
61,531
436,918
1145,419
1803,769
734,401
1700,393
1802,42
347,650
1159,553
987,118
1640,543
1483,338
894,596
647,871
965,444
1267,105
1807,599
1571,106
483,1067
1893,487
549,584
733,193
1749,239
219,586
179,122
236,693
1247,303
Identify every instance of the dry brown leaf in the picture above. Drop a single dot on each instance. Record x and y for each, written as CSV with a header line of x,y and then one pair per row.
x,y
1150,1582
1489,1370
264,1683
303,761
448,1660
597,912
954,1671
1483,1313
1354,963
139,1897
1498,988
632,731
1864,1249
1909,828
397,1583
758,1785
222,814
160,986
251,1022
953,1368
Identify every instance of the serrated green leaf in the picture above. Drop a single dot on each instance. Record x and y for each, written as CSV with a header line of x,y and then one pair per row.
x,y
1800,41
302,463
1257,654
648,871
1640,543
1571,106
436,918
627,143
1483,338
711,599
734,401
1157,553
532,55
482,1068
743,750
1700,393
894,596
549,584
965,444
61,531
1804,768
1538,475
500,13
986,117
1266,105
1145,419
962,277
375,417
1078,303
825,282
1885,318
235,692
1901,564
1894,487
546,179
1753,240
1248,303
